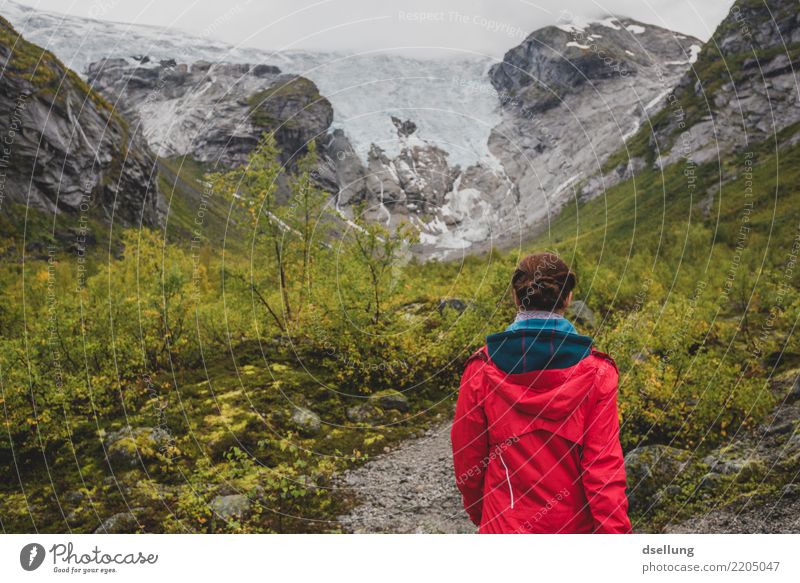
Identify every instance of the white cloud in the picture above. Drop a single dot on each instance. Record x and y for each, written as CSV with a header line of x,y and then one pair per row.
x,y
448,26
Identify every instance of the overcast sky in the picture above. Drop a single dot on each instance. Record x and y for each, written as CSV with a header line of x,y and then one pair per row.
x,y
485,26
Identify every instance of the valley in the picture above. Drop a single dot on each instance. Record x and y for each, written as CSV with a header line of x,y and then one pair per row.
x,y
239,299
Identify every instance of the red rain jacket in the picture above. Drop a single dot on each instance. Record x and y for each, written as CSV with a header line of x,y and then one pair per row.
x,y
537,451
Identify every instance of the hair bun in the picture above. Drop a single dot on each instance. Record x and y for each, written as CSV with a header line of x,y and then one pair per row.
x,y
542,281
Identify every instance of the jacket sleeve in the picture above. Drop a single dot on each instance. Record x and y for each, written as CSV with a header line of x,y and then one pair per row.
x,y
602,461
470,439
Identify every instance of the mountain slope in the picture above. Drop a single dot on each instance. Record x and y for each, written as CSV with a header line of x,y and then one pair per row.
x,y
476,161
214,112
66,149
742,90
574,94
364,89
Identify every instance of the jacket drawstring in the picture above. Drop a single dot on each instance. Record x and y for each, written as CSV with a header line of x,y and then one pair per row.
x,y
508,478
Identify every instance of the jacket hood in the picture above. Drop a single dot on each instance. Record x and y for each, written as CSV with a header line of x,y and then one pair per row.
x,y
539,367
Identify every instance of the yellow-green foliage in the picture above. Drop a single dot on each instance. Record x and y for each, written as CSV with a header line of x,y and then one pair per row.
x,y
218,348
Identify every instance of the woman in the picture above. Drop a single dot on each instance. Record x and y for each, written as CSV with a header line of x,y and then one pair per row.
x,y
536,432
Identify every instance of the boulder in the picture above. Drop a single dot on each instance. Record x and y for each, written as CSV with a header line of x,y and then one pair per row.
x,y
125,447
306,421
390,399
121,523
790,491
231,506
364,413
579,312
452,304
794,391
650,469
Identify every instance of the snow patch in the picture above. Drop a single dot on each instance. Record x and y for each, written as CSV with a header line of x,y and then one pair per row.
x,y
571,27
574,44
694,50
631,133
656,100
563,186
630,53
609,23
635,29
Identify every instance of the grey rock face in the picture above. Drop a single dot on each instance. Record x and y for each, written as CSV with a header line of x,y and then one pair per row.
x,y
404,128
215,112
65,148
754,100
598,184
572,96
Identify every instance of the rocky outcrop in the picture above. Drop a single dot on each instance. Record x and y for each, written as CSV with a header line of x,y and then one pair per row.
x,y
390,399
452,208
214,112
574,94
741,91
65,148
651,471
416,180
130,447
557,61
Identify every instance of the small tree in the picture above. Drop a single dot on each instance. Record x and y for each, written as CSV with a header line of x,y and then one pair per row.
x,y
307,215
377,250
286,230
254,188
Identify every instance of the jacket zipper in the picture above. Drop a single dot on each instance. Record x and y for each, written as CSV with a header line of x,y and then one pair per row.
x,y
508,478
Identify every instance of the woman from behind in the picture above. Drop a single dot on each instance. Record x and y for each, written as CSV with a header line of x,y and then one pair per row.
x,y
536,431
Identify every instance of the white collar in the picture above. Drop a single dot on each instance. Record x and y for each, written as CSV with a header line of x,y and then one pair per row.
x,y
537,315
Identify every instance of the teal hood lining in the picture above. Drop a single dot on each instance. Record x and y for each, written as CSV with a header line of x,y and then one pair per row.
x,y
537,344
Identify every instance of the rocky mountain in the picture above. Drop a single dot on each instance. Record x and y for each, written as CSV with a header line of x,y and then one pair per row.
x,y
742,89
573,94
453,208
65,149
214,112
365,89
474,156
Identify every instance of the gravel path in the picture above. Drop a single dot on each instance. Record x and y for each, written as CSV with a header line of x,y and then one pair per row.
x,y
411,489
